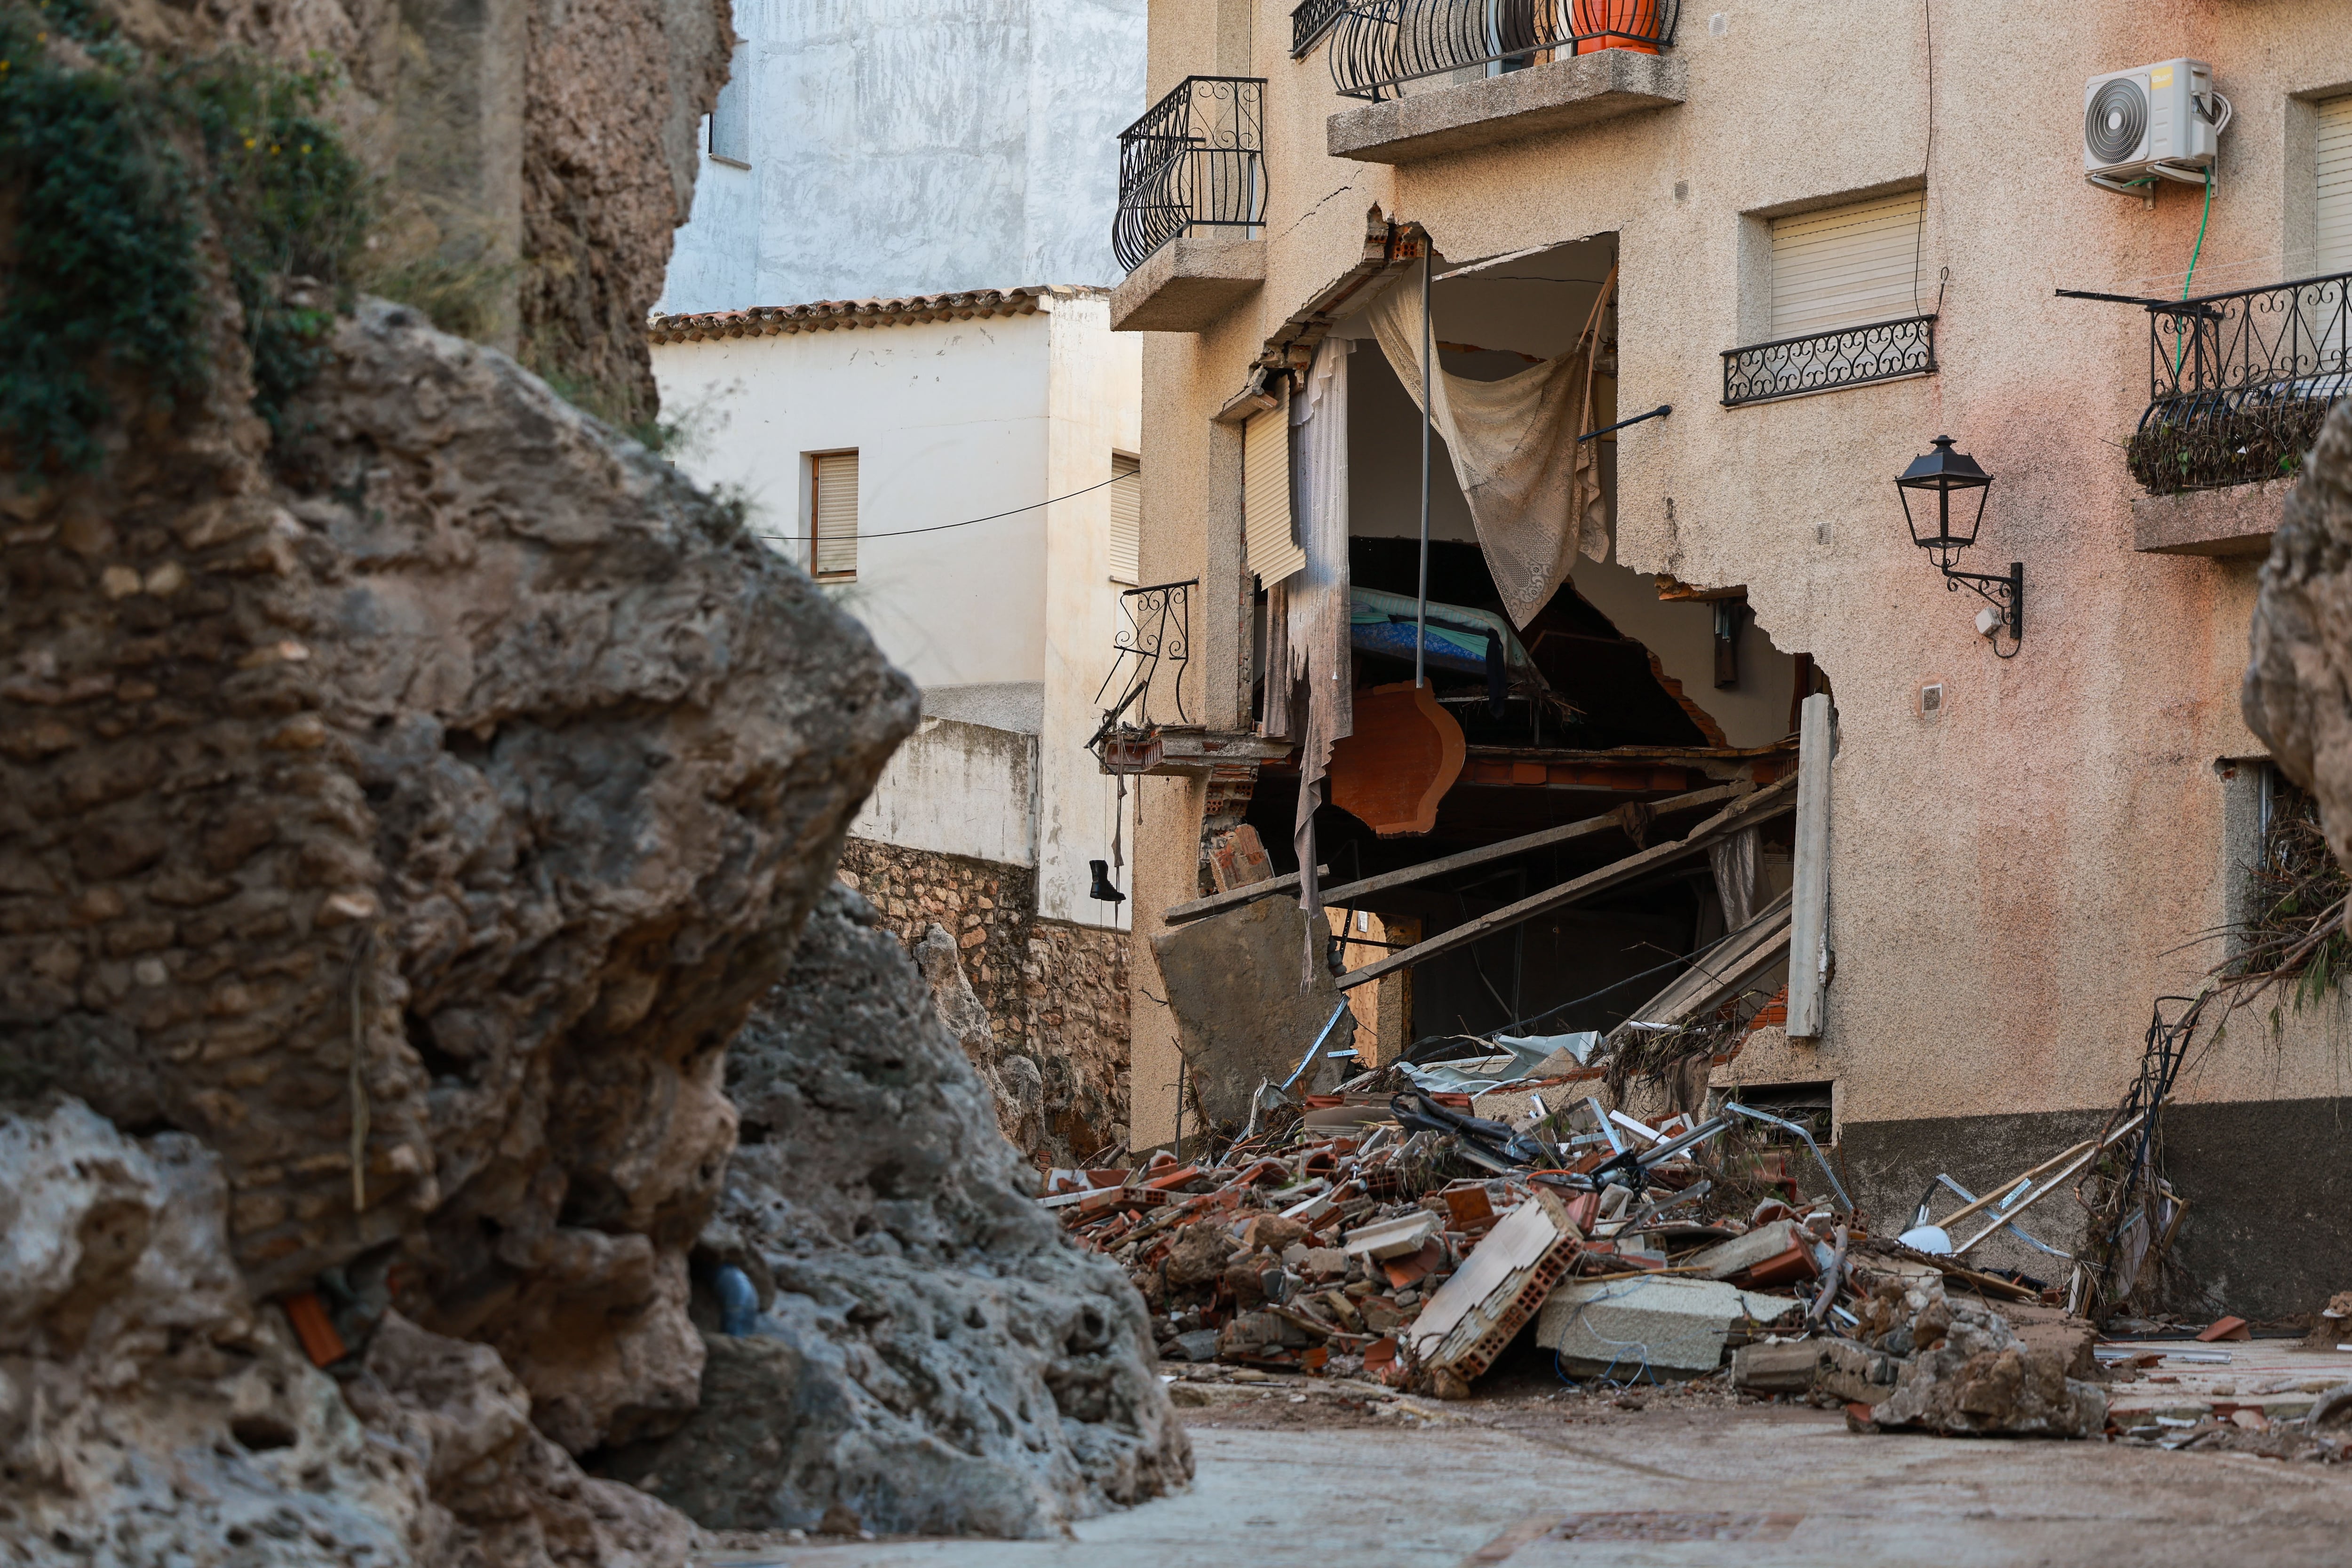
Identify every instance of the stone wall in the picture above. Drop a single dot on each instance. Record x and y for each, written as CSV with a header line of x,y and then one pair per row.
x,y
1055,993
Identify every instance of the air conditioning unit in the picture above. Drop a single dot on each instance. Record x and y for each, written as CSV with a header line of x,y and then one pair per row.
x,y
2158,122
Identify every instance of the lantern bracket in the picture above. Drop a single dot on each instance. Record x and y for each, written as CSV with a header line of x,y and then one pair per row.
x,y
2005,593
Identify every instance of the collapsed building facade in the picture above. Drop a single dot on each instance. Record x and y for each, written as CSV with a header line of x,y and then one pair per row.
x,y
2045,811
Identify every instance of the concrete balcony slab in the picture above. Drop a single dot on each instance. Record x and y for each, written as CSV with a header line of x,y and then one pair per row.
x,y
1582,90
1187,284
2238,521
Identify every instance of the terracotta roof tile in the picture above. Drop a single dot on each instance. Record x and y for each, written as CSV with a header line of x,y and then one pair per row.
x,y
830,315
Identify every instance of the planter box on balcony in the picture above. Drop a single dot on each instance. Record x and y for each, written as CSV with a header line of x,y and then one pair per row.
x,y
1187,284
2238,521
1582,90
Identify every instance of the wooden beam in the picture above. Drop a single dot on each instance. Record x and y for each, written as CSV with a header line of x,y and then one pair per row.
x,y
1762,805
1234,898
1217,903
1810,895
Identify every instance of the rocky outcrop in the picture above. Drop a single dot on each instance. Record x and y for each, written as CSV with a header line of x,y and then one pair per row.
x,y
949,1362
1016,1088
150,1411
451,794
2302,655
502,1495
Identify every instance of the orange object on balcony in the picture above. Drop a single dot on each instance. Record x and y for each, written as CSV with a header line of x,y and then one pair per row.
x,y
1406,754
1618,25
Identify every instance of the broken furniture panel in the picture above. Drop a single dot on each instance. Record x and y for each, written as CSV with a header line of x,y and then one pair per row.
x,y
1241,1019
1404,754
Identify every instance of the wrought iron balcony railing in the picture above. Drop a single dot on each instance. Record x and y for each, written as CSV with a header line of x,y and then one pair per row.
x,y
1851,356
2239,383
1196,161
1378,46
1310,21
1153,641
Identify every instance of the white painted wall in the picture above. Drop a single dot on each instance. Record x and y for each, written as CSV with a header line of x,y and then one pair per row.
x,y
904,149
1006,624
958,789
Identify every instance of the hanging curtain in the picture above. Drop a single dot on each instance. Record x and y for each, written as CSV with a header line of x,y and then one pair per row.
x,y
1307,658
1534,488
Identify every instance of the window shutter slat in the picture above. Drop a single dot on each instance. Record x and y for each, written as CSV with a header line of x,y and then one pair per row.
x,y
1267,534
834,515
1844,265
1125,518
2332,212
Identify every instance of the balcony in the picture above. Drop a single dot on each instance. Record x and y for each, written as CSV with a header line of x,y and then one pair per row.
x,y
1310,20
1191,206
1824,361
2237,385
1444,76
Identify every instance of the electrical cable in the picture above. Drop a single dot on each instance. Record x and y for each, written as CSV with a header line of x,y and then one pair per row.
x,y
2180,343
967,522
1919,232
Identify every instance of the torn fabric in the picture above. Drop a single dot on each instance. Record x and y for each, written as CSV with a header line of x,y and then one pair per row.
x,y
1317,614
1534,489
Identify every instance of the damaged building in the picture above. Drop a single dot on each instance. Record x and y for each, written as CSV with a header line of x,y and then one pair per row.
x,y
1622,676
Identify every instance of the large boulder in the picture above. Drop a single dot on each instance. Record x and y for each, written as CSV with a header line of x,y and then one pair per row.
x,y
449,789
934,1355
2300,665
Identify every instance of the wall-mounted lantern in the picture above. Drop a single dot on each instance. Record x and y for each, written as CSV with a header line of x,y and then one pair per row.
x,y
1946,474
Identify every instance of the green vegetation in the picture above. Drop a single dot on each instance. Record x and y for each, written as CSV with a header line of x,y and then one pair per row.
x,y
112,167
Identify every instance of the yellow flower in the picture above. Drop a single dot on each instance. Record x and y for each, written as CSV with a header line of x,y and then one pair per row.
x,y
248,143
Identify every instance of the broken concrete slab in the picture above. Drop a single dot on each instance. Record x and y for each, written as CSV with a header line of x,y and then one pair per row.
x,y
1846,1371
1393,1238
1241,1019
1666,1326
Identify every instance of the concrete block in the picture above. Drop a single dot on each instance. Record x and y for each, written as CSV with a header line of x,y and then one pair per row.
x,y
1741,1253
1849,1372
1187,285
2236,520
1673,1325
1396,1237
1583,90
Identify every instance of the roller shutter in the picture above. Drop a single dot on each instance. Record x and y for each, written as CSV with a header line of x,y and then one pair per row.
x,y
2332,212
1126,517
1272,542
1843,266
833,513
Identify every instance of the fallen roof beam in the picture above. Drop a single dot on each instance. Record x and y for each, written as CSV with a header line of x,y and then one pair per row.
x,y
1717,977
1217,903
1774,800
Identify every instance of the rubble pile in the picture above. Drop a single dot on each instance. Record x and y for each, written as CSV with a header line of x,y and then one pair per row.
x,y
1413,1247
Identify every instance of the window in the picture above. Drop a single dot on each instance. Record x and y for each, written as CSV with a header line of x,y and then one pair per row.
x,y
2332,212
1844,265
1126,517
1267,532
730,117
833,516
